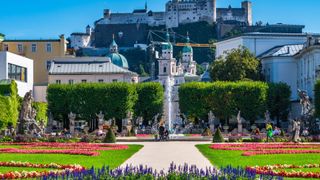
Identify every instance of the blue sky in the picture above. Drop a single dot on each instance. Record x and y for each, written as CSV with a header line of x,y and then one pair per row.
x,y
31,19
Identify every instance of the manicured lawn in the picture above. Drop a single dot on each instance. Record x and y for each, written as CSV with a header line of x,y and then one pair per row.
x,y
111,158
226,157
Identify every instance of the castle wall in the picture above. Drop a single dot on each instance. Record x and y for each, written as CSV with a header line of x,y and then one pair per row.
x,y
181,12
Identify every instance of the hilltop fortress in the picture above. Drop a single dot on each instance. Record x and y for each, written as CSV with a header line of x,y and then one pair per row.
x,y
182,12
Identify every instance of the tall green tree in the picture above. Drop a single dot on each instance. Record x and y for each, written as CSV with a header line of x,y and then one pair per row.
x,y
238,64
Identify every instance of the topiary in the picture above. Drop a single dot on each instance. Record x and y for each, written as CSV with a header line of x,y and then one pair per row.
x,y
282,134
110,137
217,137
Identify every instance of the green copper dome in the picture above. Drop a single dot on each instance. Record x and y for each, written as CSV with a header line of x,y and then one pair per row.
x,y
187,48
119,60
167,45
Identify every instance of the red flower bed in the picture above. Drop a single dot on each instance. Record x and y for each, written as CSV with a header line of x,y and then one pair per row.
x,y
277,170
251,149
60,170
62,148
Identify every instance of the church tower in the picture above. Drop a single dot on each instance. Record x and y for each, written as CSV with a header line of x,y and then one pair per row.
x,y
189,65
167,64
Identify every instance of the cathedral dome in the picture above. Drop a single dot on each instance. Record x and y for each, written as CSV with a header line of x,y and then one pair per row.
x,y
118,60
115,57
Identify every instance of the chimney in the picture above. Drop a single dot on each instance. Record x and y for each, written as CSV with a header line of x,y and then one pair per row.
x,y
107,13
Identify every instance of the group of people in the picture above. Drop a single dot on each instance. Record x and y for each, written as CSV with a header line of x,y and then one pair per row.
x,y
271,132
163,133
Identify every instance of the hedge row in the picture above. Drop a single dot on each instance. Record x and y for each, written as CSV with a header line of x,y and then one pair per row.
x,y
225,99
115,100
317,99
9,104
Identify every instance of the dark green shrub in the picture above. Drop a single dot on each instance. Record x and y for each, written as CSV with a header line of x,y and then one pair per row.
x,y
110,137
317,99
217,137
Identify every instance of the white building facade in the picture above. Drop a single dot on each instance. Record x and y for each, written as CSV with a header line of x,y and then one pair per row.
x,y
296,65
17,68
81,40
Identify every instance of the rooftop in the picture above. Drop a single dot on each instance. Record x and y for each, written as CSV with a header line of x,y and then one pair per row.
x,y
85,65
283,51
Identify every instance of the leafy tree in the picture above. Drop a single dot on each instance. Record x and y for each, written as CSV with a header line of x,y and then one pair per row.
x,y
317,99
136,58
41,109
9,103
238,64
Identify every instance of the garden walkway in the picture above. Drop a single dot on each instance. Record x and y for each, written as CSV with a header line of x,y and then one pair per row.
x,y
159,155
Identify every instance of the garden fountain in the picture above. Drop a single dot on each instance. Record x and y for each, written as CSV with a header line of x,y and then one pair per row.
x,y
169,88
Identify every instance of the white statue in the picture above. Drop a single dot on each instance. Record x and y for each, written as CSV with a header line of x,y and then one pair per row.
x,y
72,118
211,117
239,120
296,130
305,102
267,117
100,118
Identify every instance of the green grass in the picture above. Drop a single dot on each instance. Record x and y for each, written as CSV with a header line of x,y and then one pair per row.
x,y
224,158
111,158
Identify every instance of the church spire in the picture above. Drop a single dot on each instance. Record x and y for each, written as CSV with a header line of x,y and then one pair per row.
x,y
113,46
146,5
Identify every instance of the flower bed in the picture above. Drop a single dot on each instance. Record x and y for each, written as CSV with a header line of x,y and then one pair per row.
x,y
59,170
174,172
277,170
251,149
61,148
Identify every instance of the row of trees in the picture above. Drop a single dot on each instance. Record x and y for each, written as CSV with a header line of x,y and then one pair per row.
x,y
115,100
225,99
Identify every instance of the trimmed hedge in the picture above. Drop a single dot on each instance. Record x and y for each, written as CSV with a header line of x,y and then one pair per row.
x,y
224,99
317,99
9,104
150,100
115,100
279,101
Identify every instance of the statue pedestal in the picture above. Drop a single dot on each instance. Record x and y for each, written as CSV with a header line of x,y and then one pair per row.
x,y
226,128
72,130
239,128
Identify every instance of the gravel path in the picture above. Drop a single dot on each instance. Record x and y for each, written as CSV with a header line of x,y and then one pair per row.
x,y
159,155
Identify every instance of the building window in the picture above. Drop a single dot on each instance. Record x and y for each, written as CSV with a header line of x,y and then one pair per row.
x,y
71,81
164,69
34,48
100,80
49,47
58,81
114,80
6,47
83,80
17,73
20,48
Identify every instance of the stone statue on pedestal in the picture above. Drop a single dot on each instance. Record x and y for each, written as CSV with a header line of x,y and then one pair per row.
x,y
239,120
72,118
100,117
305,102
267,117
296,130
211,119
27,123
